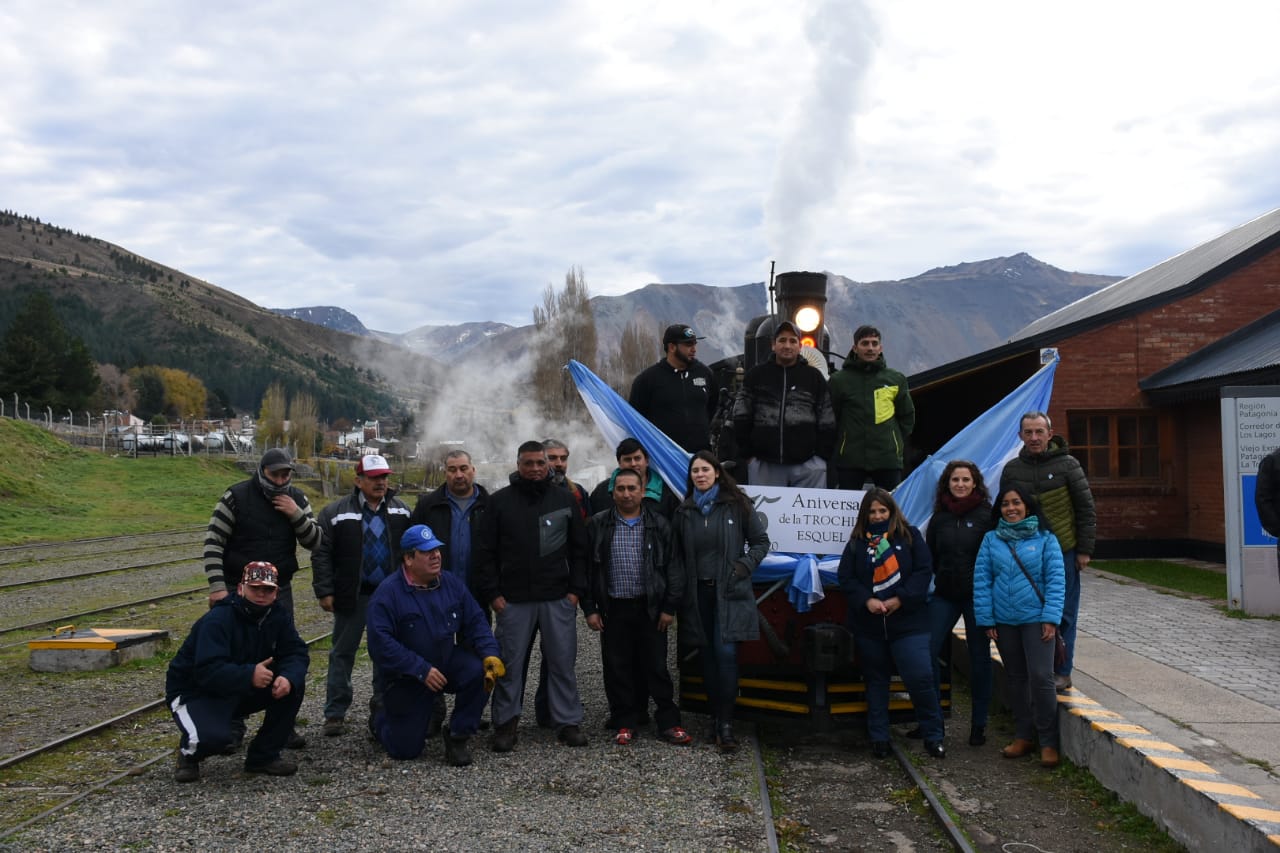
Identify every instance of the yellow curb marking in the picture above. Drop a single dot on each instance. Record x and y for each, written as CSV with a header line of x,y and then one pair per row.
x,y
1077,700
1189,764
1221,788
1139,743
1251,812
1118,728
1091,713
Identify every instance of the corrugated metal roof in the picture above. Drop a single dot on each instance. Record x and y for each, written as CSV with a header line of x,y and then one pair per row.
x,y
1253,347
1179,271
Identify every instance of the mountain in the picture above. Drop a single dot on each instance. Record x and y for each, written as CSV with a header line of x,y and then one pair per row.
x,y
933,318
446,343
329,316
131,311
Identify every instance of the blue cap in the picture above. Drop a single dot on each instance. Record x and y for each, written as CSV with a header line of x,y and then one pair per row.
x,y
419,538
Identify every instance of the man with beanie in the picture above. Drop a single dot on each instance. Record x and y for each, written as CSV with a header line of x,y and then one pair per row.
x,y
357,551
874,415
782,418
243,656
679,394
427,635
261,518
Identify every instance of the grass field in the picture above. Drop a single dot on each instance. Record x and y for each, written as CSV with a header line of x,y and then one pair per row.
x,y
50,490
1188,579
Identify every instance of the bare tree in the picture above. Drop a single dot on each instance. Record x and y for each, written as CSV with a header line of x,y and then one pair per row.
x,y
271,416
566,329
304,423
634,353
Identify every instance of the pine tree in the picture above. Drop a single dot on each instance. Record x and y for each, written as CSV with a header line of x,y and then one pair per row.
x,y
41,362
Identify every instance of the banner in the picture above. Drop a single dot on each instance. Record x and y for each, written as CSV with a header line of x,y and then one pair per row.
x,y
806,521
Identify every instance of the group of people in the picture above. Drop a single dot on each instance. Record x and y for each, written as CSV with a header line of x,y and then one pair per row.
x,y
454,593
1009,566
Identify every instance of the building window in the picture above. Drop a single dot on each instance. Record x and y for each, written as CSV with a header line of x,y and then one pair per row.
x,y
1116,445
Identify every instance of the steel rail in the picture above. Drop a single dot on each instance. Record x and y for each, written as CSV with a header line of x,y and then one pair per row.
x,y
4,549
95,572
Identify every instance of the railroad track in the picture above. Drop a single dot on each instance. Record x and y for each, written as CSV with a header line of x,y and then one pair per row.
x,y
96,572
10,554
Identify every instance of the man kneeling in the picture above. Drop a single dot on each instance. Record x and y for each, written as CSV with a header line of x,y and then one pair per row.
x,y
428,635
243,656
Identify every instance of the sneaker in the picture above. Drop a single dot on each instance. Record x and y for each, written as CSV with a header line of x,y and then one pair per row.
x,y
296,741
187,770
276,767
624,737
334,727
504,736
1062,683
677,736
571,736
456,751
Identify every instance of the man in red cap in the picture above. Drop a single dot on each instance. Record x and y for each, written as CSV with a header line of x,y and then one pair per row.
x,y
357,551
241,657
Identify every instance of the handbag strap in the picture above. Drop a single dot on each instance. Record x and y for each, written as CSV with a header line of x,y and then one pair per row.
x,y
1025,573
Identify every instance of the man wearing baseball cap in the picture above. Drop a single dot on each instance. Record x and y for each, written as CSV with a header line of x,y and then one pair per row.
x,y
428,635
241,657
262,518
678,395
357,551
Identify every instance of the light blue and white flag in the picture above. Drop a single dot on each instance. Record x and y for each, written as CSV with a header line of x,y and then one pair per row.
x,y
989,441
616,420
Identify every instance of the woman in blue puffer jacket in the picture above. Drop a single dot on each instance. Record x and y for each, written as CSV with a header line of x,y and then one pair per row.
x,y
1018,588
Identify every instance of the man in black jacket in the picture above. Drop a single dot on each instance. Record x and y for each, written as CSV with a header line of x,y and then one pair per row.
x,y
678,395
243,656
357,551
783,420
456,507
531,569
632,600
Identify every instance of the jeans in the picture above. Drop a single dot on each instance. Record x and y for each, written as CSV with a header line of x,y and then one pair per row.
x,y
348,629
1070,611
911,655
719,659
943,613
1028,670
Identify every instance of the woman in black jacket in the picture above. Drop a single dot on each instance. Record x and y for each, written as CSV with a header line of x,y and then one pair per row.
x,y
961,517
885,572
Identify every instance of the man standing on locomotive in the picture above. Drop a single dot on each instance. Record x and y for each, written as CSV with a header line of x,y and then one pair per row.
x,y
678,395
874,415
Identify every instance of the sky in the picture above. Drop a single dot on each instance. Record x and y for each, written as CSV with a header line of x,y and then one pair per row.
x,y
444,162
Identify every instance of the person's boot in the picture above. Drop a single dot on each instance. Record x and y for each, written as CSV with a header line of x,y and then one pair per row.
x,y
725,739
296,740
1017,749
187,769
504,736
456,751
1049,757
977,735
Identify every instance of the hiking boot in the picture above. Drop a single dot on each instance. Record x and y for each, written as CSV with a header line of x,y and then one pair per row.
x,y
504,736
334,727
456,751
1017,749
275,767
187,769
1062,683
725,739
296,741
571,736
1049,757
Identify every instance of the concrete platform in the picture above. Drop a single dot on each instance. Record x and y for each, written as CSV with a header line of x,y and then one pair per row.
x,y
88,649
1176,707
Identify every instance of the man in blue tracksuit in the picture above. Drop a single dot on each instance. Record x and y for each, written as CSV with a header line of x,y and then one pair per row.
x,y
243,656
428,635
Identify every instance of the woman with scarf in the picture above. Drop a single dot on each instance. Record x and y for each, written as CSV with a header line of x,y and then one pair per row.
x,y
961,518
1018,589
885,572
719,541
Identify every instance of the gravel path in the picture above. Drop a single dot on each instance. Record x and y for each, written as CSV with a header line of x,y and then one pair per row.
x,y
348,796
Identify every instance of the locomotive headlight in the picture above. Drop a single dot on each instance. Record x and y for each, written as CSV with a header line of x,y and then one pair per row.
x,y
808,318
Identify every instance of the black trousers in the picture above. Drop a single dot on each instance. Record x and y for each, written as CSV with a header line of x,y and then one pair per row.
x,y
634,653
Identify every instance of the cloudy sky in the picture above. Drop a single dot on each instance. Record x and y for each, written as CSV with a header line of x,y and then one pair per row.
x,y
438,162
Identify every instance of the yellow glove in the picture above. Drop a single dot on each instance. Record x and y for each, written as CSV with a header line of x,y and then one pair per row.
x,y
493,670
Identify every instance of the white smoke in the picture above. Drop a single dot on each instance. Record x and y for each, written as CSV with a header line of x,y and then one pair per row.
x,y
817,154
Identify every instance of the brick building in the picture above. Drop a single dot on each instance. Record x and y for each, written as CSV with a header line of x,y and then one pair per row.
x,y
1136,393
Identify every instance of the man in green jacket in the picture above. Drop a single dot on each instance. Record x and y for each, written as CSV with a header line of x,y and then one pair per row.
x,y
874,415
1045,468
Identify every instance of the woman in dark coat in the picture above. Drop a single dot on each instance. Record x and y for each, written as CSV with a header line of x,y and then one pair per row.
x,y
719,541
961,517
885,572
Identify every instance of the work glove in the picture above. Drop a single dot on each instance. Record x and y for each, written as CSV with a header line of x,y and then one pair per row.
x,y
493,670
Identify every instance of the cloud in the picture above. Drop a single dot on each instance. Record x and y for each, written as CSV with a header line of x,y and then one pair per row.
x,y
438,163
